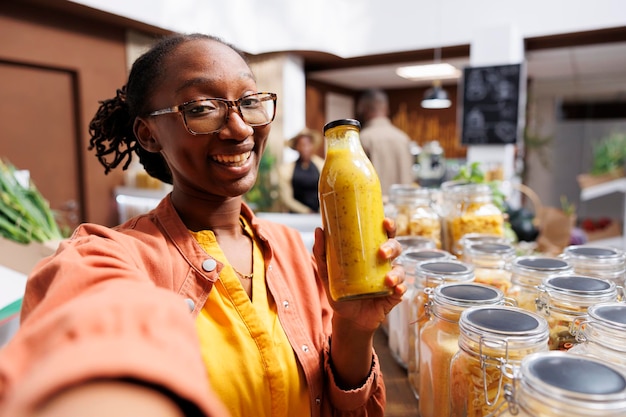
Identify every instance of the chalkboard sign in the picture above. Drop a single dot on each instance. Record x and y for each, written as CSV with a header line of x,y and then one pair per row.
x,y
491,104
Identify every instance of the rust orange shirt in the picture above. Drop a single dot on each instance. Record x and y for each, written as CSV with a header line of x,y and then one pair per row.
x,y
122,303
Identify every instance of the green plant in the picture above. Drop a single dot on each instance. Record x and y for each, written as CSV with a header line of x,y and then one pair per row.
x,y
25,215
474,174
568,207
609,154
262,195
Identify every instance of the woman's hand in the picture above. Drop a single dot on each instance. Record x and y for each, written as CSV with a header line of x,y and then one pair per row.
x,y
355,321
367,313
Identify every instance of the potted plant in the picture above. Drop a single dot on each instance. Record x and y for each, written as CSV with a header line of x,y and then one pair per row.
x,y
609,157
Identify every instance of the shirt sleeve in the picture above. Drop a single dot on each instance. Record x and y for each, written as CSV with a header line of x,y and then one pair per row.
x,y
369,399
91,315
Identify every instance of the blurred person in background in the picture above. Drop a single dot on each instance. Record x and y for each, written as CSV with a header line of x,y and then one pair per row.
x,y
298,180
388,147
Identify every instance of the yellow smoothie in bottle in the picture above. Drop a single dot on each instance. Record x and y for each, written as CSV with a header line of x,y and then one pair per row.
x,y
352,215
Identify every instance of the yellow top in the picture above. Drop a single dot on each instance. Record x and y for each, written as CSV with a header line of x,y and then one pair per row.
x,y
249,361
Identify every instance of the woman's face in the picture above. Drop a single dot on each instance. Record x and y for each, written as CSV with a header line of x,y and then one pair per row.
x,y
220,164
304,146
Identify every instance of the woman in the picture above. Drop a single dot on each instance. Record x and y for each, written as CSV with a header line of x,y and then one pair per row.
x,y
298,180
138,318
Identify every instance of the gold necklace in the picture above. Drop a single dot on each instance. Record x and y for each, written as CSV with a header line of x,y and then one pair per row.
x,y
251,274
243,276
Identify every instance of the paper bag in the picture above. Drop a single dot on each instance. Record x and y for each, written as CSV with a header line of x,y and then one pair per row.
x,y
555,228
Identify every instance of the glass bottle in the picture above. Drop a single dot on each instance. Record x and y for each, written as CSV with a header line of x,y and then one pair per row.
x,y
602,333
414,213
564,299
597,261
399,337
472,211
557,384
352,212
493,341
528,272
430,274
439,340
492,262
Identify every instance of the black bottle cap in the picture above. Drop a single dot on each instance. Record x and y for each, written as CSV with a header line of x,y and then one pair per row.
x,y
342,122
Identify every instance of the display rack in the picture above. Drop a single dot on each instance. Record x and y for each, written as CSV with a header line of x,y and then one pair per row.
x,y
600,190
132,201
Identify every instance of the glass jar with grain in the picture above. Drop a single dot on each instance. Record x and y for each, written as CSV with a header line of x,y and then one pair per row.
x,y
439,340
471,210
430,274
492,263
399,318
414,213
597,261
493,340
557,384
602,333
528,272
563,300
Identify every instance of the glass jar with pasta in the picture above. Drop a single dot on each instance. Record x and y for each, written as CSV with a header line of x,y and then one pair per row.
x,y
491,262
597,261
528,272
557,384
564,299
439,340
471,211
602,333
430,274
414,213
493,340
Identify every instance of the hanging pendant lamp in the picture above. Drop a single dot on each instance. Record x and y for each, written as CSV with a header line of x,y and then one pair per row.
x,y
436,97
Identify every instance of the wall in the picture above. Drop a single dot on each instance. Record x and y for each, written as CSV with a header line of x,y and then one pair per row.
x,y
94,54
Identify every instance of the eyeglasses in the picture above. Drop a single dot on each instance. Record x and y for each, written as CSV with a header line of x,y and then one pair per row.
x,y
209,115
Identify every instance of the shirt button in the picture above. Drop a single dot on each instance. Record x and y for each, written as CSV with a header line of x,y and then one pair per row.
x,y
209,265
305,348
286,304
190,304
318,401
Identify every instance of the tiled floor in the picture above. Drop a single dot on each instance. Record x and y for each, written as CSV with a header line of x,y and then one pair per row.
x,y
400,399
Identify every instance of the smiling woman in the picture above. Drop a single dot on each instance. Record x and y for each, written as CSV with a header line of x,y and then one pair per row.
x,y
199,289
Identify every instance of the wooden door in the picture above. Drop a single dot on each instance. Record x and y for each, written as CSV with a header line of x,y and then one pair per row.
x,y
38,132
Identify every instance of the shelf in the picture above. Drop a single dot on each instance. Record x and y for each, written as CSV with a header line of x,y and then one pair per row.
x,y
600,190
605,188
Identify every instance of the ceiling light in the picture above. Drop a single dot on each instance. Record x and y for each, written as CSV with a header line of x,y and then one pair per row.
x,y
436,98
429,72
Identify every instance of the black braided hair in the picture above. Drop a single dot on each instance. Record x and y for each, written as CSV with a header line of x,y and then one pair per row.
x,y
111,129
